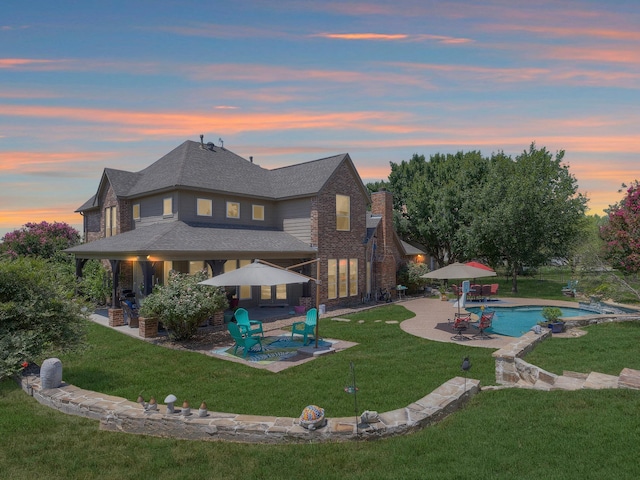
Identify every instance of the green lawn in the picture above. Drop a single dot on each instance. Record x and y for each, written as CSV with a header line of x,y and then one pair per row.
x,y
510,433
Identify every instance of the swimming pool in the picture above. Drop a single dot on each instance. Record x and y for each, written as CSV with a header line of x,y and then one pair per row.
x,y
515,321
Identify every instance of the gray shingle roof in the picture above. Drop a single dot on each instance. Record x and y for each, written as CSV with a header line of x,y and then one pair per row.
x,y
219,170
178,239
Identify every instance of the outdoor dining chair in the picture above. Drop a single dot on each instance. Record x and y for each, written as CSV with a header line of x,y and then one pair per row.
x,y
483,324
460,324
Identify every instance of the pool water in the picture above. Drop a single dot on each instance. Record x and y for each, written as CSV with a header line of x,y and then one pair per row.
x,y
516,321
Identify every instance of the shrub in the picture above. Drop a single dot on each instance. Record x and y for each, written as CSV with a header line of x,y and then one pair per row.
x,y
95,284
38,314
182,304
410,275
551,314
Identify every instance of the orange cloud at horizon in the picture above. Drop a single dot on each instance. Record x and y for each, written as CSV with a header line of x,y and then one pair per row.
x,y
39,162
15,219
170,123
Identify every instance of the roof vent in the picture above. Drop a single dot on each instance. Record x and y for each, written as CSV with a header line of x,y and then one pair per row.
x,y
202,142
210,146
251,159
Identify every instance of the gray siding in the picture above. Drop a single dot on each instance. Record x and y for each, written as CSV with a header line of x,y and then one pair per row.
x,y
295,218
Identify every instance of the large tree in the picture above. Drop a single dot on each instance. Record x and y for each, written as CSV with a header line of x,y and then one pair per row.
x,y
532,210
622,232
44,240
436,201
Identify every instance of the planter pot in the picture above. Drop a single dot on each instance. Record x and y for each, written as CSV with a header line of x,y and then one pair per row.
x,y
556,327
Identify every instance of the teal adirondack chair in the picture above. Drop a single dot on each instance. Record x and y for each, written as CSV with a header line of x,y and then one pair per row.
x,y
245,342
248,327
307,327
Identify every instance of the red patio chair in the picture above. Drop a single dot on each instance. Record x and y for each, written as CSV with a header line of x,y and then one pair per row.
x,y
484,323
459,324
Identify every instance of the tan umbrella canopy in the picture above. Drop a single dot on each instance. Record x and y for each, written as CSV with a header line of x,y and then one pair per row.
x,y
264,273
257,273
456,271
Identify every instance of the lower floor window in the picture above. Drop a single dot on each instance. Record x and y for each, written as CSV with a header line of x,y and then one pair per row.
x,y
342,278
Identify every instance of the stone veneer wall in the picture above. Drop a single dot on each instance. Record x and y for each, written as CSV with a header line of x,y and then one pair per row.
x,y
511,369
508,359
121,415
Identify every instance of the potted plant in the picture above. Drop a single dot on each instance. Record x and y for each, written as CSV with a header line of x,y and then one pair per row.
x,y
552,316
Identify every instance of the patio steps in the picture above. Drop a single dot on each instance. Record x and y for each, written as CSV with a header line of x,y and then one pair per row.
x,y
592,381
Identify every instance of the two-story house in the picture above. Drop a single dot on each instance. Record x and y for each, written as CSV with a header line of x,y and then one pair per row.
x,y
203,207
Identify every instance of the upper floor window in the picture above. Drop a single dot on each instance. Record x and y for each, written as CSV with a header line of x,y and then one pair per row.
x,y
258,212
205,207
136,211
343,213
233,210
167,206
110,221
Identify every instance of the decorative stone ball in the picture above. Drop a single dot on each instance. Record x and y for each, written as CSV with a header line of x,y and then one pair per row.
x,y
312,417
51,373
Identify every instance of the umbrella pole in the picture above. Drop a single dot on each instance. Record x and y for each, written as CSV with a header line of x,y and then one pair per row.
x,y
317,306
317,280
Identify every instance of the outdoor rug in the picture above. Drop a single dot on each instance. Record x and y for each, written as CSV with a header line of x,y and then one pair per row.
x,y
274,349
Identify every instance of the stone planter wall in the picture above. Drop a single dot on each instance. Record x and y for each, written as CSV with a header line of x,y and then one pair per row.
x,y
121,415
509,366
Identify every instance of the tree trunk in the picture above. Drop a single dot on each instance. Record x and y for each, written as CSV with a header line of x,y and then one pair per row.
x,y
514,279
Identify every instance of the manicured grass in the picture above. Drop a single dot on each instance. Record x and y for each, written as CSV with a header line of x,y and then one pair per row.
x,y
606,348
510,433
393,369
506,434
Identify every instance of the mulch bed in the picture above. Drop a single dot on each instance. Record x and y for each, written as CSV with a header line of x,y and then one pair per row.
x,y
206,339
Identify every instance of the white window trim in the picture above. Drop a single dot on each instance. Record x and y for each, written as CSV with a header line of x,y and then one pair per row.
x,y
253,213
198,200
165,214
227,209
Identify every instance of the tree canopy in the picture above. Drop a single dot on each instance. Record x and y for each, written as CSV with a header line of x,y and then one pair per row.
x,y
508,212
44,240
622,232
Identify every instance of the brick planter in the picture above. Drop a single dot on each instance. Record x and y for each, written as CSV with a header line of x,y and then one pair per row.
x,y
218,319
116,317
148,327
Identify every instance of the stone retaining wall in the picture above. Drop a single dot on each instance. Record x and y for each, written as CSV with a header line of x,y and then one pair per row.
x,y
510,369
122,415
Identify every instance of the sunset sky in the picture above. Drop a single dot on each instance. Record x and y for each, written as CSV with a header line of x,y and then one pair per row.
x,y
89,85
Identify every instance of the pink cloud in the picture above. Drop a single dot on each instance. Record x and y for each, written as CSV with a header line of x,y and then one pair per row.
x,y
71,164
392,37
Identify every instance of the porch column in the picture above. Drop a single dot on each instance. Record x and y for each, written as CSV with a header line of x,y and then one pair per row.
x,y
115,271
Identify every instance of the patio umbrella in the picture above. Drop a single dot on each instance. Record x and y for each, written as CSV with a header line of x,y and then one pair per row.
x,y
457,271
479,265
256,274
264,273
